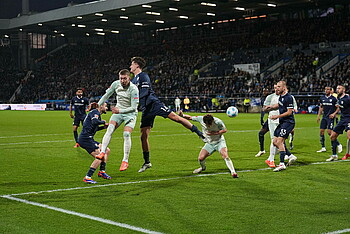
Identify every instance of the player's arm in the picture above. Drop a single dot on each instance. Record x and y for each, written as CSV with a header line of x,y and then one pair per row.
x,y
335,112
285,114
320,110
184,115
271,107
222,130
295,105
108,93
71,109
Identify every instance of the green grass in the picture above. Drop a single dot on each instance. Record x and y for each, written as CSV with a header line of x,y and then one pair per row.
x,y
37,154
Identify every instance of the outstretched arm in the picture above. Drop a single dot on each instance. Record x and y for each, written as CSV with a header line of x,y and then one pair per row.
x,y
185,116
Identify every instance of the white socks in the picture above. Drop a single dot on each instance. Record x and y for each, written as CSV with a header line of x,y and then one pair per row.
x,y
229,164
273,151
107,137
127,145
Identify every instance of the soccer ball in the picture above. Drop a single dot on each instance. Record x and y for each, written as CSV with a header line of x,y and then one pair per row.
x,y
232,111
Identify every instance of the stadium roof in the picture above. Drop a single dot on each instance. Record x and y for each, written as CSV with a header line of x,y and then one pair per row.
x,y
118,16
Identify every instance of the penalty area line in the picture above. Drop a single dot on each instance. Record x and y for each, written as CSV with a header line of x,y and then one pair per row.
x,y
107,221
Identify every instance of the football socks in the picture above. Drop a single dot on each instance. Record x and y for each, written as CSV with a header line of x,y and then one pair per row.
x,y
107,137
282,155
127,145
90,172
103,166
322,141
146,157
261,140
334,147
75,133
229,164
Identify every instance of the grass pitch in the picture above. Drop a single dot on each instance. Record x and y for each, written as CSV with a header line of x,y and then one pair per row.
x,y
37,154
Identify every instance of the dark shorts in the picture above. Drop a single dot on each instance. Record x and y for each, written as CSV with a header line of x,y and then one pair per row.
x,y
88,144
153,110
265,126
343,124
327,123
283,130
77,120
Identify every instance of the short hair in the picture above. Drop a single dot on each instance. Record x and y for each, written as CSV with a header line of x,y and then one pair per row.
x,y
93,105
140,61
124,72
208,119
80,89
283,82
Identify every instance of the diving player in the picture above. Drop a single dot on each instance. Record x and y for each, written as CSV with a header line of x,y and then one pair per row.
x,y
86,140
80,104
213,128
327,106
151,107
343,105
286,123
124,111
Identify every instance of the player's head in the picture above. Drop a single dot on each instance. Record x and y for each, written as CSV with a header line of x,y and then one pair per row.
x,y
340,89
103,108
93,105
332,90
137,63
265,91
281,87
79,92
124,77
328,90
208,119
275,87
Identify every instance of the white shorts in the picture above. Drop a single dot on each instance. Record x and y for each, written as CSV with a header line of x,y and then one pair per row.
x,y
217,146
129,119
272,127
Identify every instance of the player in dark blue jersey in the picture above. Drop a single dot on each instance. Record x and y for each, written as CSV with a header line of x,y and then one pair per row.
x,y
264,124
343,105
286,123
151,107
327,107
80,104
91,125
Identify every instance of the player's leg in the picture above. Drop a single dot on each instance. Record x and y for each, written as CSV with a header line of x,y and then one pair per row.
x,y
322,141
76,123
203,154
145,131
94,149
273,150
261,136
347,155
187,124
279,143
291,138
228,161
127,147
334,136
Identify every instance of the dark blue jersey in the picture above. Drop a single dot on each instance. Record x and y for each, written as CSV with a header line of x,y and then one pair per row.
x,y
344,105
147,95
91,124
328,105
286,102
80,105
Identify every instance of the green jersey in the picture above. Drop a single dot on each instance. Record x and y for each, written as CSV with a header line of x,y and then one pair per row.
x,y
216,126
127,97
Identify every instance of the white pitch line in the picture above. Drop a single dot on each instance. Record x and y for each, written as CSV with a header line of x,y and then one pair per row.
x,y
107,221
155,180
35,135
339,231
